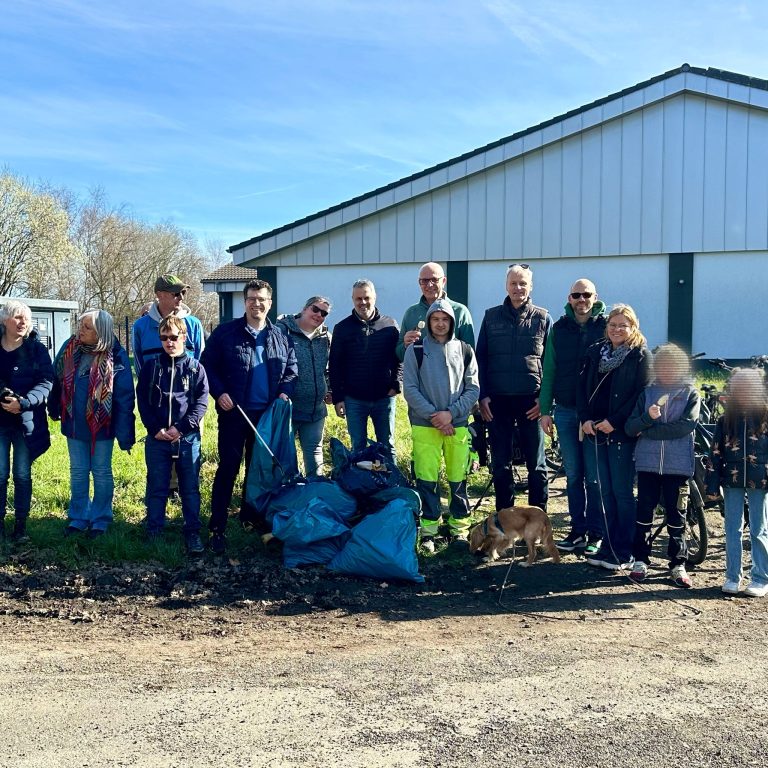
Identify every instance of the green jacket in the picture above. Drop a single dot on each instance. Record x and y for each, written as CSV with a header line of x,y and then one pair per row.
x,y
549,372
416,313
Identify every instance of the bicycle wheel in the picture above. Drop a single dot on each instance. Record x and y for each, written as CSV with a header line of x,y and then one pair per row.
x,y
696,534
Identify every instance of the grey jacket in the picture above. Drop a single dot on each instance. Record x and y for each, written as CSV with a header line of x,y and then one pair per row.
x,y
312,360
665,446
443,382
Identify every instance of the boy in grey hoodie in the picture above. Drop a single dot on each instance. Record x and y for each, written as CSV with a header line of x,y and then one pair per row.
x,y
441,386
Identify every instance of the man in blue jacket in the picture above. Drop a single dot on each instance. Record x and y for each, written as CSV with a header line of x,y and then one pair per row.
x,y
250,362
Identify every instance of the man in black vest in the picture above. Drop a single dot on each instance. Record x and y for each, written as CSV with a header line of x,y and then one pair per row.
x,y
581,326
510,349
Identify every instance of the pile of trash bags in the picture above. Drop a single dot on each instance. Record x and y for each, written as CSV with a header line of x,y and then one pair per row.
x,y
361,521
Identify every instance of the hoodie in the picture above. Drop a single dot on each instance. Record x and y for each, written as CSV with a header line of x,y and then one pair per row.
x,y
443,382
566,346
146,336
312,360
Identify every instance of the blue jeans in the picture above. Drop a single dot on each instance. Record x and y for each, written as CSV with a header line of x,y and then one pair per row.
x,y
758,532
159,458
310,435
611,472
13,437
583,498
83,511
382,413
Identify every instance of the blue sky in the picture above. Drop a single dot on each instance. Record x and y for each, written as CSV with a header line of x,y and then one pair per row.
x,y
232,117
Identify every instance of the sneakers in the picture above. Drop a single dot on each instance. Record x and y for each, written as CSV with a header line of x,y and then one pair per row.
x,y
194,544
218,544
594,542
427,545
731,587
756,589
680,577
572,542
598,559
460,543
639,571
609,562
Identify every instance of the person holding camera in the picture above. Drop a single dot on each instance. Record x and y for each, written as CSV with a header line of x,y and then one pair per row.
x,y
26,377
93,397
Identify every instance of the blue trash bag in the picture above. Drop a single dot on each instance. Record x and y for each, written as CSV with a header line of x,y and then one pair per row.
x,y
313,522
316,553
361,483
299,494
382,546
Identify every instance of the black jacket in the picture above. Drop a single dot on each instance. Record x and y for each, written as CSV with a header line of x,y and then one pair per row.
x,y
739,460
627,383
363,361
32,379
228,355
510,349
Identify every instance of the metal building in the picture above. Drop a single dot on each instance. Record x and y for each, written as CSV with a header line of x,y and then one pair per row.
x,y
51,318
659,193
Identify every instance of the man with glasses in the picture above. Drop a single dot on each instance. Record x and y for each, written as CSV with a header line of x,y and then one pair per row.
x,y
510,348
432,281
169,292
312,343
581,326
365,371
250,362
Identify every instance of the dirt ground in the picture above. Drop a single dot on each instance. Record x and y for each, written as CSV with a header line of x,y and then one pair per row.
x,y
244,664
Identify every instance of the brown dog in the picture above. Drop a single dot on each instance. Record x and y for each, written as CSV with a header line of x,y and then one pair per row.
x,y
498,532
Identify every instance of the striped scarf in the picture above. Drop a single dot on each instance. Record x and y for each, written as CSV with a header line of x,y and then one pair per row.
x,y
98,412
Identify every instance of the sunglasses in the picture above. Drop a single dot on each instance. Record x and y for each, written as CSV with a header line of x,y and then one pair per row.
x,y
318,311
524,266
430,280
170,337
583,295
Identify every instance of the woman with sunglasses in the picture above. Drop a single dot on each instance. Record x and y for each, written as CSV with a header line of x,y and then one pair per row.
x,y
616,371
93,397
312,343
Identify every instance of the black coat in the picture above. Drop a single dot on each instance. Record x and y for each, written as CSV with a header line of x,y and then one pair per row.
x,y
32,379
627,383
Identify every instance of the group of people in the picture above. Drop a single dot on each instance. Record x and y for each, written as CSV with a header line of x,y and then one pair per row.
x,y
619,414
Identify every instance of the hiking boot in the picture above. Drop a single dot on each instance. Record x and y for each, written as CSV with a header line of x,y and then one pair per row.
x,y
218,544
731,587
756,589
572,542
460,542
194,544
639,571
19,534
427,545
594,542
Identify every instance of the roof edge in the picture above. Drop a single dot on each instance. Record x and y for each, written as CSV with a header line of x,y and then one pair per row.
x,y
717,74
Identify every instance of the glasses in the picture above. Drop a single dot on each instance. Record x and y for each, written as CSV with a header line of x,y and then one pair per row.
x,y
177,294
430,280
169,337
318,311
619,327
257,300
583,295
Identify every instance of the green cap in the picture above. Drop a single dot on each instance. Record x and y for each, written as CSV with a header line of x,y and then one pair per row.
x,y
170,283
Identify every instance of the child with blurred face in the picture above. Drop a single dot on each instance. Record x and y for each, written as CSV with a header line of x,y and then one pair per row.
x,y
739,466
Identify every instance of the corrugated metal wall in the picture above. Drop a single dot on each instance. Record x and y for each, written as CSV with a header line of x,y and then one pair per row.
x,y
689,174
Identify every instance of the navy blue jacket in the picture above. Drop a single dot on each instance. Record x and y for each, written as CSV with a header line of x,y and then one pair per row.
x,y
228,355
32,379
187,400
122,423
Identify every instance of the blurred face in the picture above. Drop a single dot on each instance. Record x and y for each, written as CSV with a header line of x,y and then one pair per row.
x,y
619,328
257,306
431,282
16,326
440,325
745,392
667,372
168,302
364,301
519,286
173,341
582,298
314,315
86,332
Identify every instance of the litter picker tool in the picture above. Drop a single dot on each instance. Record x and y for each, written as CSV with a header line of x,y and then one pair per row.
x,y
275,460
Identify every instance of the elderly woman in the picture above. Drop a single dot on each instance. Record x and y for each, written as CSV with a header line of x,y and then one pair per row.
x,y
26,376
312,343
616,370
93,397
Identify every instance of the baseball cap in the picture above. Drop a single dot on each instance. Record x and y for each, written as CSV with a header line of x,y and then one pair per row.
x,y
170,283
